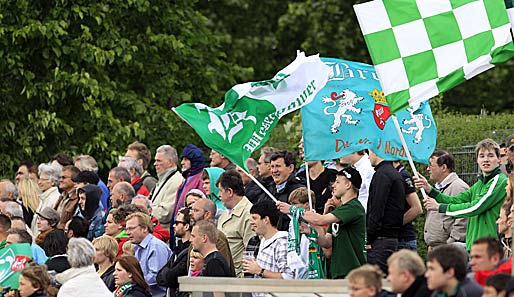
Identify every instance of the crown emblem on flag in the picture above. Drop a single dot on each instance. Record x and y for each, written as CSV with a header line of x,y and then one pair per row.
x,y
378,96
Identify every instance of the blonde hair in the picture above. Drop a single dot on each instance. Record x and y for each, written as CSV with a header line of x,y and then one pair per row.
x,y
196,254
143,220
29,192
370,275
301,195
107,245
128,248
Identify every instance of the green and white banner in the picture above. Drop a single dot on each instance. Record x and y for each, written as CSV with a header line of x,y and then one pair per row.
x,y
243,123
421,48
12,261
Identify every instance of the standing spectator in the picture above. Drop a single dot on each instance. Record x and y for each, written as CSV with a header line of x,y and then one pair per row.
x,y
203,238
264,165
220,161
407,234
360,160
141,153
88,163
284,181
235,223
89,205
81,280
135,170
446,273
205,210
48,179
129,279
406,274
68,201
482,202
106,249
192,168
439,227
29,192
46,222
271,261
210,177
386,204
177,265
151,252
347,226
164,195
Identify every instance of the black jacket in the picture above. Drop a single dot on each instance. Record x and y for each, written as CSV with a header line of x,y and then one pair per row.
x,y
108,278
292,184
254,193
137,291
386,203
418,288
176,266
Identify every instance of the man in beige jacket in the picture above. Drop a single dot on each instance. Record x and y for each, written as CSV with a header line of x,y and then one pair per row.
x,y
164,194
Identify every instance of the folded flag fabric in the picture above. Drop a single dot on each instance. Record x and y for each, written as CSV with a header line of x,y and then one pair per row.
x,y
421,48
350,114
12,261
243,123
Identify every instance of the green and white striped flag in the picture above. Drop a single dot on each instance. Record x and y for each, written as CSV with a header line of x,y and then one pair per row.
x,y
243,123
421,48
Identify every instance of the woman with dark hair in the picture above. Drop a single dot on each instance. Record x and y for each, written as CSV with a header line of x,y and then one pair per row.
x,y
90,209
129,278
55,248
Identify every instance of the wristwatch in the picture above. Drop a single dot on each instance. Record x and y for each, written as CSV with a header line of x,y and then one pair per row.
x,y
261,274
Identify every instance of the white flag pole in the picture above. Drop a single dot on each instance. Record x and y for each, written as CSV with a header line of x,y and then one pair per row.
x,y
407,152
307,178
261,186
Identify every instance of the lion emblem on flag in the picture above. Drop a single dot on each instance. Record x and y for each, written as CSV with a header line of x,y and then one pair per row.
x,y
418,119
348,101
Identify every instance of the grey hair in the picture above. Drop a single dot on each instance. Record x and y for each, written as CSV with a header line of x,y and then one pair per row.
x,y
53,171
252,165
14,209
125,188
10,188
86,163
121,173
80,252
169,152
147,201
131,163
408,261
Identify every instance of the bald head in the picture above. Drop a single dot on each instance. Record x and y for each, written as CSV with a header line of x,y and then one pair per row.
x,y
203,209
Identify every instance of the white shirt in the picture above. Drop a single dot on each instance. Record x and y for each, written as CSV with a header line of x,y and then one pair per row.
x,y
366,170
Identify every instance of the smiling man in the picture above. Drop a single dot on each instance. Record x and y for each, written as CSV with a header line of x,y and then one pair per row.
x,y
482,202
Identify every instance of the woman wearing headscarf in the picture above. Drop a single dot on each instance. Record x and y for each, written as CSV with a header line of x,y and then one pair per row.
x,y
193,163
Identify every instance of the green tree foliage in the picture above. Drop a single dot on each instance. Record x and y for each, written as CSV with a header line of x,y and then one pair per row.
x,y
92,76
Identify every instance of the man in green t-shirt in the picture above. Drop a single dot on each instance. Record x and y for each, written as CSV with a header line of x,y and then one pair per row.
x,y
347,219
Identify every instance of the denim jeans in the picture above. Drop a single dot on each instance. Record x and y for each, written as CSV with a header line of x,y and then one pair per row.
x,y
380,250
411,245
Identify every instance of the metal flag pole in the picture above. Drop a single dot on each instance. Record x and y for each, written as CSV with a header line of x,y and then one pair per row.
x,y
307,178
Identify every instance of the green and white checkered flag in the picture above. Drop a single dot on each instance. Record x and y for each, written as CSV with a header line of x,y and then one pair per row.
x,y
421,48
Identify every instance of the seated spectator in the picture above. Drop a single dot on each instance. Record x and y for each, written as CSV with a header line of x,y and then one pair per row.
x,y
495,285
34,281
196,263
77,227
129,278
122,193
192,167
366,281
90,209
487,259
128,249
135,170
5,225
158,230
55,249
81,280
505,228
28,194
446,273
47,221
48,179
115,227
85,178
406,274
106,249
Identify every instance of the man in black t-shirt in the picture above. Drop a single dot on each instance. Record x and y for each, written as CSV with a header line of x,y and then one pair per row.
x,y
203,238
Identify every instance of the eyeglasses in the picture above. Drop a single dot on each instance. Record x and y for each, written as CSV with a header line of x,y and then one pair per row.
x,y
180,222
64,177
131,228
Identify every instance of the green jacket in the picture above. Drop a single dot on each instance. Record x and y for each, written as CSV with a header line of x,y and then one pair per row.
x,y
480,204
